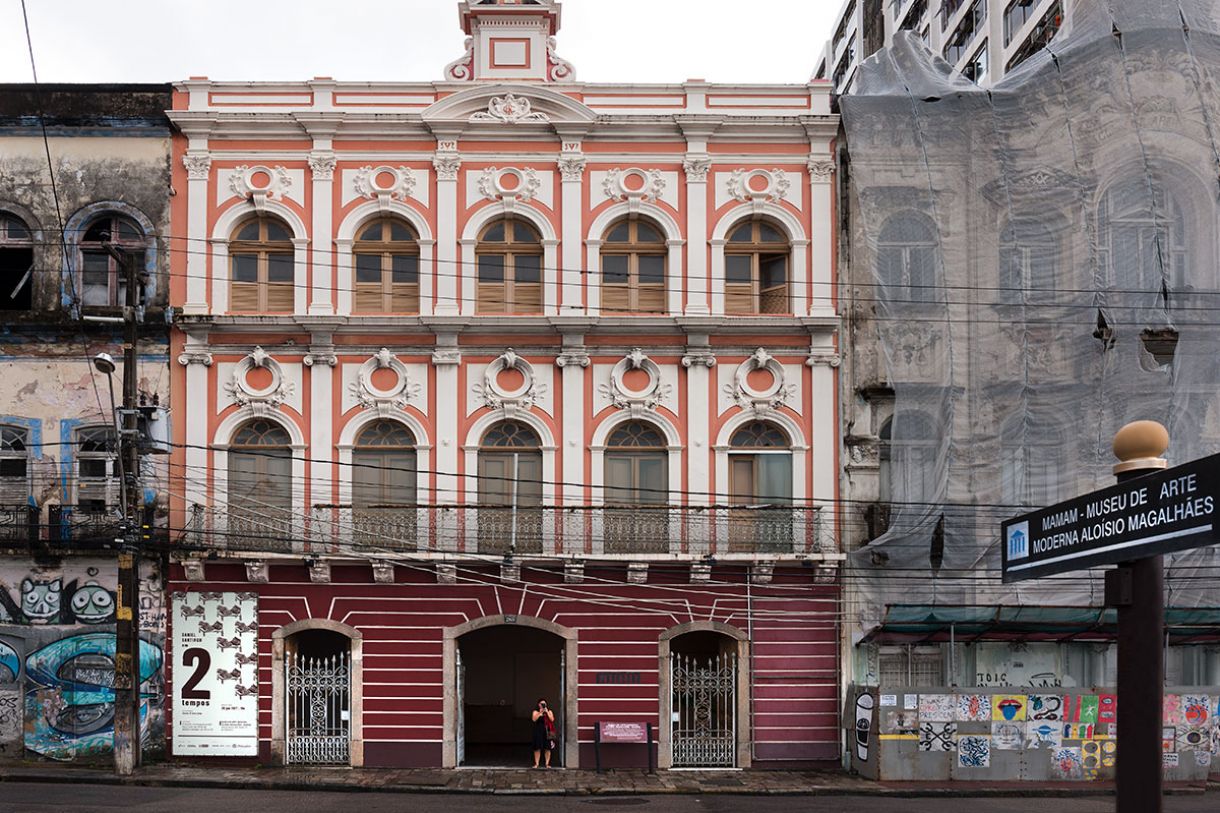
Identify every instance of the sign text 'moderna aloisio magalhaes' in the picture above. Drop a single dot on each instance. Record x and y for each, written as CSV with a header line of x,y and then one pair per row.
x,y
1158,513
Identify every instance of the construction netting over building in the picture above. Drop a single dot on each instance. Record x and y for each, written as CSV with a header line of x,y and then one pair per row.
x,y
1031,267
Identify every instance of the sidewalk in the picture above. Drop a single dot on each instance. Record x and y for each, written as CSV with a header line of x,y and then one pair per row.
x,y
553,782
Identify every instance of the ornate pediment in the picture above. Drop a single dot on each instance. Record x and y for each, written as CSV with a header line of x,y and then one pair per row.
x,y
508,105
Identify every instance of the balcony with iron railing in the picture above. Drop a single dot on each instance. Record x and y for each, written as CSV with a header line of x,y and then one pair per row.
x,y
81,526
660,532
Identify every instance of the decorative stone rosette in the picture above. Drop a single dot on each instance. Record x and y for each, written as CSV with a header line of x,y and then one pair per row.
x,y
496,394
261,399
637,399
384,399
758,397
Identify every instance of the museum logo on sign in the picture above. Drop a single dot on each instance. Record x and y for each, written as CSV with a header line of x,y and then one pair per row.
x,y
1018,541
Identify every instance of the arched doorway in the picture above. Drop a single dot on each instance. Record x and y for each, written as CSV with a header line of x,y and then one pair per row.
x,y
704,697
496,670
316,694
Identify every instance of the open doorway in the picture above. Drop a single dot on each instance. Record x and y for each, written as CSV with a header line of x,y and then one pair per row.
x,y
502,671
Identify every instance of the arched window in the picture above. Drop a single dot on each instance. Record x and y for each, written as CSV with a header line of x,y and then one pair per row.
x,y
384,465
387,268
633,256
260,484
907,462
510,489
1142,236
760,465
906,260
109,241
16,264
637,489
756,269
509,256
97,483
383,486
1029,259
261,264
14,465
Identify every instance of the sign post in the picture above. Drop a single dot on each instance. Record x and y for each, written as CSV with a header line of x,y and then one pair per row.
x,y
1153,510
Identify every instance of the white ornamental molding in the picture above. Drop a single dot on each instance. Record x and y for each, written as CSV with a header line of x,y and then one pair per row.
x,y
389,399
509,184
462,68
648,397
633,184
520,398
190,357
261,400
259,184
696,168
447,166
766,399
820,169
758,184
197,165
510,109
572,167
322,164
557,68
385,183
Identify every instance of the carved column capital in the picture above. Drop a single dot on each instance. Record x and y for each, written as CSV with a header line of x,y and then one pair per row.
x,y
702,356
323,165
195,357
447,165
197,164
696,167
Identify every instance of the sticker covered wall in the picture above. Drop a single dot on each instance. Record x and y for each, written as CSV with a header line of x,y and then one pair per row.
x,y
215,674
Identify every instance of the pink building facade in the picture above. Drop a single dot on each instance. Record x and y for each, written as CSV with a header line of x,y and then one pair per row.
x,y
500,386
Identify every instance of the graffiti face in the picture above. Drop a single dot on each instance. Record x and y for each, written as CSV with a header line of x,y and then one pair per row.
x,y
40,599
92,604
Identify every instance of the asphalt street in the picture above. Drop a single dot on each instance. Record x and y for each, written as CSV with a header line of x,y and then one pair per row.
x,y
65,798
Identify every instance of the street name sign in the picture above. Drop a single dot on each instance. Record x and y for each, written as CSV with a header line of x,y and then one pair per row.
x,y
1160,512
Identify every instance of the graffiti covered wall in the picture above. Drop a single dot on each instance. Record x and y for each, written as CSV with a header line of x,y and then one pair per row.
x,y
57,649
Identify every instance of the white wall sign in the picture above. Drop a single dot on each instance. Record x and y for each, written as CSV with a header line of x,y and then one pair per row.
x,y
215,674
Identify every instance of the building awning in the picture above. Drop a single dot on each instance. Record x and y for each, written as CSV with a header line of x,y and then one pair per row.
x,y
922,623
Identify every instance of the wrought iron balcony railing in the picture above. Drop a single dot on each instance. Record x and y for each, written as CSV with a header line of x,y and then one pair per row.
x,y
18,524
95,526
660,531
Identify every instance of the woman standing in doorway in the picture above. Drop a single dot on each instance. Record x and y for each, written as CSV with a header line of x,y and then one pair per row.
x,y
544,731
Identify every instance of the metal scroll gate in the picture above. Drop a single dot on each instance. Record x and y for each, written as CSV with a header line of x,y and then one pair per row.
x,y
319,709
704,717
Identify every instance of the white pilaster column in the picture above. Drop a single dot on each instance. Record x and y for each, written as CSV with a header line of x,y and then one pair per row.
x,y
698,361
823,363
197,359
198,165
447,163
447,360
821,252
697,294
322,163
572,281
574,360
321,362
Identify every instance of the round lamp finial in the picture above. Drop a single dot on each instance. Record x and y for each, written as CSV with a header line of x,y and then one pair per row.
x,y
1139,445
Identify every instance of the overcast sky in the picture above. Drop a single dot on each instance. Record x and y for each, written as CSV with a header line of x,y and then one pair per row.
x,y
607,40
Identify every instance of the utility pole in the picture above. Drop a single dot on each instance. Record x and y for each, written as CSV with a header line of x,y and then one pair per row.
x,y
127,623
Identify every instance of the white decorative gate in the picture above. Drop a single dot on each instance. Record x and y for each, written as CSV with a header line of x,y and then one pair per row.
x,y
319,709
704,719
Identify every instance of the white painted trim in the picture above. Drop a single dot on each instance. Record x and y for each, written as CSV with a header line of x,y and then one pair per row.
x,y
220,454
675,274
797,447
347,444
346,235
550,252
597,452
220,252
799,241
475,435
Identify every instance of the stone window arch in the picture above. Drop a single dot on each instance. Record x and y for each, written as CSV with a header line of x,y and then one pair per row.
x,y
262,266
16,263
510,488
907,260
260,485
107,237
757,256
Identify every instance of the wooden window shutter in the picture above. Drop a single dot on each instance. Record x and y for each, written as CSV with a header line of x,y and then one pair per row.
x,y
738,297
279,296
243,297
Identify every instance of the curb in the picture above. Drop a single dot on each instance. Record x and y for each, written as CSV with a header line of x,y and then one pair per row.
x,y
286,784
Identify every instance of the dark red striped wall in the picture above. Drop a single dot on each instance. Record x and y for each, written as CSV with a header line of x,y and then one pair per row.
x,y
791,623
